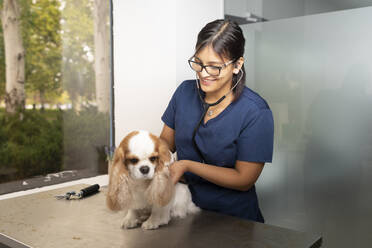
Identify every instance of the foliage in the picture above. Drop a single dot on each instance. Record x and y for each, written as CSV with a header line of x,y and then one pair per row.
x,y
33,145
53,140
78,39
41,34
58,36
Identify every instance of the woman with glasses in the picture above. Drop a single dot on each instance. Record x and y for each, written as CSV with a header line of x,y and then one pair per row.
x,y
221,130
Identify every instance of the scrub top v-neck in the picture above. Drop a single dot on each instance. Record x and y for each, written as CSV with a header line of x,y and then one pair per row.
x,y
242,131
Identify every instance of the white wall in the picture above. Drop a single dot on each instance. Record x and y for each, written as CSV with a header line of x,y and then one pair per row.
x,y
192,15
152,42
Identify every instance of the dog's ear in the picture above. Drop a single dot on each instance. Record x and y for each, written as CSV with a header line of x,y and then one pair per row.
x,y
119,195
165,155
160,190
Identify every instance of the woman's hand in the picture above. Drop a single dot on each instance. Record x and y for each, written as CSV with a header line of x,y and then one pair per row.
x,y
177,169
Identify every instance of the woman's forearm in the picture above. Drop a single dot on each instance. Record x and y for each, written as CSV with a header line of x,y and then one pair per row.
x,y
240,178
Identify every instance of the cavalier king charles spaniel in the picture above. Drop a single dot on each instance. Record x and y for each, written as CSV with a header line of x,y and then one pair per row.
x,y
140,182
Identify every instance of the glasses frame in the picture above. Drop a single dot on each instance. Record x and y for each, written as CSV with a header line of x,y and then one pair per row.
x,y
190,61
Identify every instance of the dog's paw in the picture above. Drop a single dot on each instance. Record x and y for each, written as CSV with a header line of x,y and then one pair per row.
x,y
150,224
130,223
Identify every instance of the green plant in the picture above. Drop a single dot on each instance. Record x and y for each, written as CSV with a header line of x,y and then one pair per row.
x,y
43,142
31,145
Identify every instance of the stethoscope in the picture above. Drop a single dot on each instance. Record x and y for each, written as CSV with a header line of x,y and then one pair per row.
x,y
206,106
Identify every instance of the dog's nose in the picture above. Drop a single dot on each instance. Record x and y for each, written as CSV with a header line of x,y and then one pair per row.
x,y
144,170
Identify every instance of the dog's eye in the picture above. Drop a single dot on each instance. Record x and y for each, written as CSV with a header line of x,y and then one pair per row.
x,y
153,158
133,160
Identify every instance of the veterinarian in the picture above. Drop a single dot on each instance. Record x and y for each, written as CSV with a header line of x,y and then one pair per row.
x,y
221,130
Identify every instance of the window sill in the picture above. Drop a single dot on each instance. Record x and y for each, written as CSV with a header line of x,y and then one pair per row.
x,y
102,180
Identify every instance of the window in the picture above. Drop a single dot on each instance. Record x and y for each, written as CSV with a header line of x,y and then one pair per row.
x,y
55,121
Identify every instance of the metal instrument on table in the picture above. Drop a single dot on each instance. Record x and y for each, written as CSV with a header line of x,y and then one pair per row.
x,y
91,190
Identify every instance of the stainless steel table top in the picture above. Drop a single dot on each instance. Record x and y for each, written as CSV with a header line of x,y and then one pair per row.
x,y
39,220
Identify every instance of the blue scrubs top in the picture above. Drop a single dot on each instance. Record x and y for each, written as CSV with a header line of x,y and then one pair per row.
x,y
243,131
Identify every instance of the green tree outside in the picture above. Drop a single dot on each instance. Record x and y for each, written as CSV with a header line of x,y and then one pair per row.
x,y
78,50
41,32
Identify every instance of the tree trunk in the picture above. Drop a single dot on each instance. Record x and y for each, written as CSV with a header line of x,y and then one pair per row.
x,y
14,56
42,100
102,55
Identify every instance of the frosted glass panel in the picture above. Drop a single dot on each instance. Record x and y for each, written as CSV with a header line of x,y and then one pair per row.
x,y
280,9
315,72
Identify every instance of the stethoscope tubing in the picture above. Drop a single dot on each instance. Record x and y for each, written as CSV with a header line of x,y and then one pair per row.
x,y
206,106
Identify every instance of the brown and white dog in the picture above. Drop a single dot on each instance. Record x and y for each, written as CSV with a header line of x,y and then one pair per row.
x,y
140,182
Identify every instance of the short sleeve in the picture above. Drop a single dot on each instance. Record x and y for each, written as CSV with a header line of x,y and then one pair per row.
x,y
170,112
255,142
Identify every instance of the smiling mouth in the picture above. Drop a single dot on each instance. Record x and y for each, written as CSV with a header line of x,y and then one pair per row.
x,y
207,82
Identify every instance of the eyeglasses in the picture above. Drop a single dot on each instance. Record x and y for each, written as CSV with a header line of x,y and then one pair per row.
x,y
210,69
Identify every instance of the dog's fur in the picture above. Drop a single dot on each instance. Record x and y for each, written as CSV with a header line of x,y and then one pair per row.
x,y
140,182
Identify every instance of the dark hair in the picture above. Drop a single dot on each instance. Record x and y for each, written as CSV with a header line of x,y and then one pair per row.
x,y
227,40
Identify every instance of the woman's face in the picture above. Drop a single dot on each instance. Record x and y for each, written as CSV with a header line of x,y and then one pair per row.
x,y
218,85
